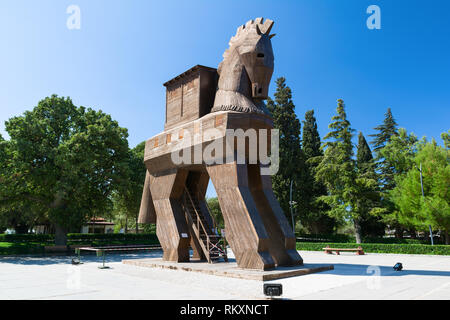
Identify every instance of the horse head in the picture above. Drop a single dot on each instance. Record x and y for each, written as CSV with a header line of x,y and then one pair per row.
x,y
246,71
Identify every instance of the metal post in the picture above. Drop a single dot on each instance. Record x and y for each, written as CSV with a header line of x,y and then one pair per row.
x,y
290,207
102,253
423,196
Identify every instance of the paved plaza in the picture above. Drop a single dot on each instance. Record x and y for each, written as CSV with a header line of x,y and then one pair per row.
x,y
354,277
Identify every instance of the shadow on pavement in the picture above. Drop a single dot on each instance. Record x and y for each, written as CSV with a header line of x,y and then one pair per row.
x,y
346,269
85,257
342,269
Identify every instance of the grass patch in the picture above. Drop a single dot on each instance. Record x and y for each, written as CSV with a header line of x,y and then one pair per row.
x,y
10,248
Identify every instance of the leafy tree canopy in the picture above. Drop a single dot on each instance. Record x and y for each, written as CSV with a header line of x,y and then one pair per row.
x,y
434,208
66,160
127,198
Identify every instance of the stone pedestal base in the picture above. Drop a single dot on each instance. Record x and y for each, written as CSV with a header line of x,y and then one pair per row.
x,y
230,269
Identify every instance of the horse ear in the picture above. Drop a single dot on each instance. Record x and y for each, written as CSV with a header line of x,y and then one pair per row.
x,y
272,35
268,24
258,30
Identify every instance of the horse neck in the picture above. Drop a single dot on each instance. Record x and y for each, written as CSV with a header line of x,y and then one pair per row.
x,y
233,76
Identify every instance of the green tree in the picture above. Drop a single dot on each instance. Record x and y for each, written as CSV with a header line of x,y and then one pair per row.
x,y
385,133
67,160
3,176
291,166
316,220
446,138
338,171
214,207
369,193
399,153
434,208
127,198
18,214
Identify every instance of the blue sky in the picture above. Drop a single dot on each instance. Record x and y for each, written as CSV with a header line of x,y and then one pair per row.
x,y
125,50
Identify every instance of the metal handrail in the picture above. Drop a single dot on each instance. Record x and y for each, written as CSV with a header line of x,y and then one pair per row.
x,y
196,213
209,244
199,223
216,226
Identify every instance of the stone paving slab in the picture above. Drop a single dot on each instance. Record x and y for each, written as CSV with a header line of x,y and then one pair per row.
x,y
230,269
370,276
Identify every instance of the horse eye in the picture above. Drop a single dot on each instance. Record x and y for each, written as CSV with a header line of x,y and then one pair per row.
x,y
260,55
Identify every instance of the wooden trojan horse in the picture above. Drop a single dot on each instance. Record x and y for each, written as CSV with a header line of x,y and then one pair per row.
x,y
203,105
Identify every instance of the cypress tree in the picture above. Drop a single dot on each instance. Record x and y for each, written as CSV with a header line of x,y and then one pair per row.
x,y
291,166
317,221
369,196
311,138
364,155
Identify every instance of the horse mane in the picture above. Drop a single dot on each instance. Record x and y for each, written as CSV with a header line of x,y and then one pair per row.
x,y
258,26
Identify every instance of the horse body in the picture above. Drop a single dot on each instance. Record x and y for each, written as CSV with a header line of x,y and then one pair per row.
x,y
256,228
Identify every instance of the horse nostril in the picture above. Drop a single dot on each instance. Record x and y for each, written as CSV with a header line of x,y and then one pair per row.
x,y
260,55
260,90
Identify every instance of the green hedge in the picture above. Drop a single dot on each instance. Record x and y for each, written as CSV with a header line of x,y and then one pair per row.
x,y
27,237
78,237
379,247
81,237
325,238
111,237
32,244
343,238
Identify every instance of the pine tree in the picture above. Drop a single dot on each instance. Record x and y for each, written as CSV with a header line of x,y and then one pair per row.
x,y
337,170
385,132
316,219
387,169
348,189
291,167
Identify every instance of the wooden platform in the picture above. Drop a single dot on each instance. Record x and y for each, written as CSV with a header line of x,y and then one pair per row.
x,y
230,269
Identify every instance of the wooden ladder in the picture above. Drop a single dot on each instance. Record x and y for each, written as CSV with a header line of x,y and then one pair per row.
x,y
210,241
